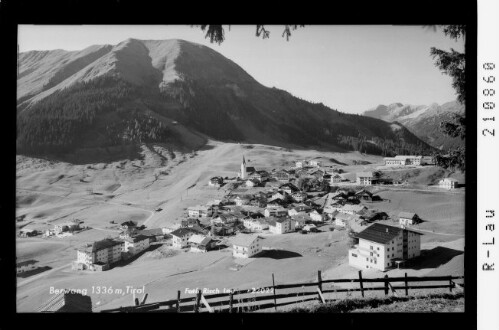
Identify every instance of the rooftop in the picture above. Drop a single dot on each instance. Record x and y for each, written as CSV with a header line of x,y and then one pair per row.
x,y
182,232
380,233
137,238
365,174
102,244
245,239
407,215
151,232
354,208
26,263
199,239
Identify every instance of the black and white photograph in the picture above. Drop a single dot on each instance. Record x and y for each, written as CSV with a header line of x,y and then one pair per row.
x,y
240,168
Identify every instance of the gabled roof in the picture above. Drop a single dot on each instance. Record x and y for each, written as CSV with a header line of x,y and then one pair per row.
x,y
277,209
380,233
353,208
289,185
364,191
407,215
199,208
151,232
250,169
365,174
181,232
136,239
449,179
198,239
103,244
245,240
129,223
347,217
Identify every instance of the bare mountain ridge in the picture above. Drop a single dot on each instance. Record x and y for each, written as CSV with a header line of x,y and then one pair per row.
x,y
99,93
422,120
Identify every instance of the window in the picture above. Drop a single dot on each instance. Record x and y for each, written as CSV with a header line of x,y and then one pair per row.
x,y
378,248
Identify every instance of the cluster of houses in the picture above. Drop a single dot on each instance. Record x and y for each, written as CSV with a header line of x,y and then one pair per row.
x,y
281,209
102,255
65,228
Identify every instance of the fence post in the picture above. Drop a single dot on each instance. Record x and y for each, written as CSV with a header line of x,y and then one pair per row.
x,y
231,300
386,284
360,282
198,301
450,284
319,283
406,286
273,291
178,301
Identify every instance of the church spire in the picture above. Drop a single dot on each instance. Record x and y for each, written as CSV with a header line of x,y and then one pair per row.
x,y
244,161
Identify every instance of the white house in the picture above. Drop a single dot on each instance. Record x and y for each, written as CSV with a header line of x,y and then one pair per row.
x,y
200,211
299,196
246,246
216,181
448,183
336,178
408,218
281,226
201,243
314,163
240,201
301,163
180,237
309,227
289,188
275,212
169,229
316,216
344,220
224,218
136,244
428,160
99,255
252,182
366,178
382,247
25,266
255,224
301,219
353,209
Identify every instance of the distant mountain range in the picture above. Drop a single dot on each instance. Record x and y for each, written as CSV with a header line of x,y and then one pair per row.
x,y
175,91
422,120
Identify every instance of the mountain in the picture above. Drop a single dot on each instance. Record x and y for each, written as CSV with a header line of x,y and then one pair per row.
x,y
423,121
174,91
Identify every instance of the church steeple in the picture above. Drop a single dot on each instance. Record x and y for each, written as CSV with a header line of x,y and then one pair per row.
x,y
243,169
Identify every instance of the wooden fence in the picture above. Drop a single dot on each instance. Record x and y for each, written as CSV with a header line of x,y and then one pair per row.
x,y
267,297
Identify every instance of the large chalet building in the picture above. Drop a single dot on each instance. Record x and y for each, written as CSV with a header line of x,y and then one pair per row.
x,y
100,255
382,247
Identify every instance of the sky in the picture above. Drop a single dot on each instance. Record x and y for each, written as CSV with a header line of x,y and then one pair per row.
x,y
348,68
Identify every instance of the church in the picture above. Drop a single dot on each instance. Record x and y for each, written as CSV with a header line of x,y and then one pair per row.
x,y
245,171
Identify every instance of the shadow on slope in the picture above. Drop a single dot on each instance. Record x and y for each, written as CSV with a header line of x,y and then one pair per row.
x,y
433,258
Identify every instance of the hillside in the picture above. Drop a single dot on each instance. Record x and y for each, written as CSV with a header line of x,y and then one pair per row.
x,y
147,90
423,121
